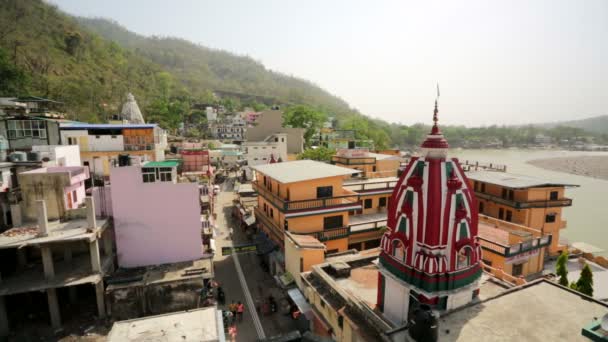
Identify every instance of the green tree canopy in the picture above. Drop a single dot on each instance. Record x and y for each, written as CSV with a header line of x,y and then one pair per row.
x,y
302,116
561,268
321,154
584,284
12,79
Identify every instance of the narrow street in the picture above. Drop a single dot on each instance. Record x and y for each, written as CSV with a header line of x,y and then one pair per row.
x,y
258,283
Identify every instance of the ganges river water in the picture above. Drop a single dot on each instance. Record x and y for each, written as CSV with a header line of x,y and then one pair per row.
x,y
587,217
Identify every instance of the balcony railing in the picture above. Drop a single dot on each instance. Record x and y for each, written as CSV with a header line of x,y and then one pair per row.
x,y
325,235
564,202
272,226
285,205
370,185
515,249
365,227
329,234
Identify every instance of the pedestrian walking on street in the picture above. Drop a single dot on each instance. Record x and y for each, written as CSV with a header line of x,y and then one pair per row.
x,y
240,309
233,307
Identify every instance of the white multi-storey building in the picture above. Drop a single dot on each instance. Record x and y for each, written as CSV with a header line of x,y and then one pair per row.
x,y
260,152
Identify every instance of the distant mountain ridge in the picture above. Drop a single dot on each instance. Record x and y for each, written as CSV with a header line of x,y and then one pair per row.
x,y
200,68
596,124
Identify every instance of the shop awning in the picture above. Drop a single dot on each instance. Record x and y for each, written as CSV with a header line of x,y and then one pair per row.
x,y
298,298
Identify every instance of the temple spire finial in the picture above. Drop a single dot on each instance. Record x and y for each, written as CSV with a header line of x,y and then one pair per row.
x,y
435,129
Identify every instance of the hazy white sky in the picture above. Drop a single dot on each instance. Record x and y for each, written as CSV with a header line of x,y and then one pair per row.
x,y
497,62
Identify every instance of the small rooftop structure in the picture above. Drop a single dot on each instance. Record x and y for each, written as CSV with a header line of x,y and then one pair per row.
x,y
305,241
513,181
301,170
538,311
203,325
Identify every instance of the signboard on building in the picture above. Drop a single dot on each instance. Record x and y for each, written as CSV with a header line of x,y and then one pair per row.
x,y
239,249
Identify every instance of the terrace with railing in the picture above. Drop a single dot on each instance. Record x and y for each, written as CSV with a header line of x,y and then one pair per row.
x,y
349,198
563,202
514,249
278,232
370,184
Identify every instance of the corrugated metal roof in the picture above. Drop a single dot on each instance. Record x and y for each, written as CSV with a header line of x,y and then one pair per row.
x,y
302,170
103,126
514,181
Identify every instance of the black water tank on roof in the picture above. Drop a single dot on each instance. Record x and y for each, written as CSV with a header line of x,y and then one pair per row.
x,y
423,324
124,160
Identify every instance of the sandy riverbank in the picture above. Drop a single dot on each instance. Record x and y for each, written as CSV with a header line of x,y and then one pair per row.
x,y
590,166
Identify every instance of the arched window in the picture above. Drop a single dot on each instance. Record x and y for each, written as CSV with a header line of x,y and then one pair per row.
x,y
398,250
464,257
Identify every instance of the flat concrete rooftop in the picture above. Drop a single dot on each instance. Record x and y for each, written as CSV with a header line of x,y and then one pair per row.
x,y
73,230
196,325
538,311
200,268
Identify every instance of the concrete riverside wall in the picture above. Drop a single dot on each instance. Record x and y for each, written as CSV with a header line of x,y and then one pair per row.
x,y
155,223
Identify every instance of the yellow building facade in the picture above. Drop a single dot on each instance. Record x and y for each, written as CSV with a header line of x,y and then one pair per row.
x,y
517,250
314,199
523,200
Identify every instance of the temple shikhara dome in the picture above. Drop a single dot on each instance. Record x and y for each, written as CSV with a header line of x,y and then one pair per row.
x,y
429,252
130,111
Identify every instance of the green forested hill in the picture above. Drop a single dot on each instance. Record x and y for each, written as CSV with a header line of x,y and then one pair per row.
x,y
200,69
64,61
597,124
91,63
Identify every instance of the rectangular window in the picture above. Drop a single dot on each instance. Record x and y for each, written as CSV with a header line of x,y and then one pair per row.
x,y
517,270
550,218
301,264
504,193
511,195
476,185
74,196
483,187
148,174
271,213
367,203
332,222
325,191
509,217
501,214
481,207
553,195
382,202
26,128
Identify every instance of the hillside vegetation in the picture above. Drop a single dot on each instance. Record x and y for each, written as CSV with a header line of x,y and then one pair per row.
x,y
90,65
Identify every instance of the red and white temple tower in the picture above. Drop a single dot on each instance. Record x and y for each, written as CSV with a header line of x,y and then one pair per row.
x,y
429,253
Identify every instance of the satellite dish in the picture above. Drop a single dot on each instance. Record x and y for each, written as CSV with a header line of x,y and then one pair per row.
x,y
604,323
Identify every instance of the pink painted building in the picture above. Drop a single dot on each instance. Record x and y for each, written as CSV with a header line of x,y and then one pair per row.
x,y
155,223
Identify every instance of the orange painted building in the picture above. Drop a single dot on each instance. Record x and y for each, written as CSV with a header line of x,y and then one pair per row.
x,y
312,198
371,165
517,250
526,201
